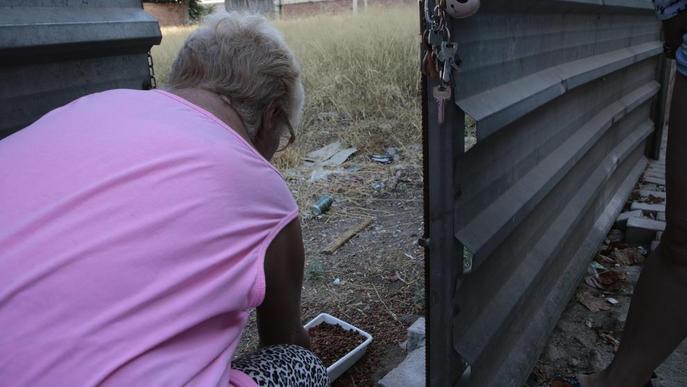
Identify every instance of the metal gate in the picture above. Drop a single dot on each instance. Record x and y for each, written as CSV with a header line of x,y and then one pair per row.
x,y
52,52
562,95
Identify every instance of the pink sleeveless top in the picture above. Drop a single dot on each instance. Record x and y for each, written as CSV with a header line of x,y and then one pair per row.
x,y
133,229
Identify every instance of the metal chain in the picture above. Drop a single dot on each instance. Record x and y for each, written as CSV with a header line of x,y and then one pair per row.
x,y
436,39
151,70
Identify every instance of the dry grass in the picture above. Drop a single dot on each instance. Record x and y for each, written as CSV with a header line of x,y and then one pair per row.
x,y
360,73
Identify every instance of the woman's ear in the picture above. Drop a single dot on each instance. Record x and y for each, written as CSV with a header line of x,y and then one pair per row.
x,y
270,118
267,135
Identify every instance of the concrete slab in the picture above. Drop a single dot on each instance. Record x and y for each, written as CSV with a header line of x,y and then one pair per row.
x,y
416,335
655,175
656,170
648,187
621,221
647,224
642,231
648,207
410,373
654,180
657,194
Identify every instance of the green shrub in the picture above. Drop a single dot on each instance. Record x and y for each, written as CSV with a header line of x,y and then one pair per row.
x,y
196,10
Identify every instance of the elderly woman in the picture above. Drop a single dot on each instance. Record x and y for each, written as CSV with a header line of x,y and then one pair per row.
x,y
139,228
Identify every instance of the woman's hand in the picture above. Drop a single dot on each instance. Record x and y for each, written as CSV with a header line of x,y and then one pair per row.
x,y
674,29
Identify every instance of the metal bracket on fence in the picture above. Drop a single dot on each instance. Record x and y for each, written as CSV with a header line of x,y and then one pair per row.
x,y
151,70
467,260
465,376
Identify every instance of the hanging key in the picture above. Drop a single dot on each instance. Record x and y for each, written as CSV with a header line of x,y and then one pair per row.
x,y
446,71
447,55
442,95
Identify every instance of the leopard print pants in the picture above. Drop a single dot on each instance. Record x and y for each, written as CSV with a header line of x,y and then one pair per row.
x,y
283,366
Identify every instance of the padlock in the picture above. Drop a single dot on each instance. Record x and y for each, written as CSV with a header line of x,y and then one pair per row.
x,y
459,9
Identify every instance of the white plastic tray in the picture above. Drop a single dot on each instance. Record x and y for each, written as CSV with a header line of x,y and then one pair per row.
x,y
335,370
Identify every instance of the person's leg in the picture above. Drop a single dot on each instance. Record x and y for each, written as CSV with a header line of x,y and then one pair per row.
x,y
657,320
285,366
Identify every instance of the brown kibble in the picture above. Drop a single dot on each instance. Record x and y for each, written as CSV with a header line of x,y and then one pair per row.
x,y
331,342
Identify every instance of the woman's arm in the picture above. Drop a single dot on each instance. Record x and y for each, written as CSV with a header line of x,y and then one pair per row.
x,y
674,29
279,316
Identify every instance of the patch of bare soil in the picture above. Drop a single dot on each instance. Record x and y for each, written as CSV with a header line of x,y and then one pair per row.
x,y
374,281
589,330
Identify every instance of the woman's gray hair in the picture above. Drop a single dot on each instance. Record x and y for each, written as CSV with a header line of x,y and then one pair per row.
x,y
245,58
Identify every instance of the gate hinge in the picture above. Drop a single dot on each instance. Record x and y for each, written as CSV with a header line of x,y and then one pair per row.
x,y
152,84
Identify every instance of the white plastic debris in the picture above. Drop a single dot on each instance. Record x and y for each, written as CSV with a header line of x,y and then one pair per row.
x,y
612,301
337,281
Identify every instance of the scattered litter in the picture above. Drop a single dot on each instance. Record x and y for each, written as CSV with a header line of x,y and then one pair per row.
x,y
602,259
611,277
337,281
346,236
394,153
591,302
323,153
390,155
597,266
394,276
378,186
409,256
322,205
643,250
595,282
608,281
615,235
654,199
649,187
612,301
588,324
382,159
339,158
628,257
331,155
610,339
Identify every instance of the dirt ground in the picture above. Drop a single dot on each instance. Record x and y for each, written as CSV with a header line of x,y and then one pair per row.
x,y
588,333
376,280
584,342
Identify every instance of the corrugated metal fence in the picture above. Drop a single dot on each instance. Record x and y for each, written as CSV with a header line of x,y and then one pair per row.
x,y
563,96
52,52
